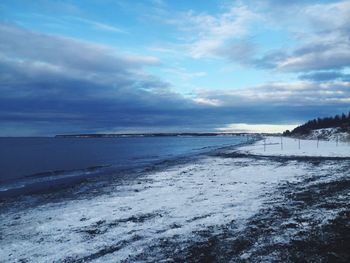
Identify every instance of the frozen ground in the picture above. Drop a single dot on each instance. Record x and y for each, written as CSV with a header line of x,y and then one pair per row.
x,y
271,146
238,206
330,134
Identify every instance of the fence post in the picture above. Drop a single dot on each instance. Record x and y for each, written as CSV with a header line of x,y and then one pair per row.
x,y
337,140
281,143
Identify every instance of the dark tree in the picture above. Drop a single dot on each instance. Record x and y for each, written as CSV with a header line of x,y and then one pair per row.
x,y
342,122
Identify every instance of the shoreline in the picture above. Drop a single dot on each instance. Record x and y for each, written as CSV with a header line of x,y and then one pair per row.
x,y
230,205
105,173
57,178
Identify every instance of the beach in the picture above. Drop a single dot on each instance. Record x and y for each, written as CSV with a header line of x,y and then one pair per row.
x,y
254,203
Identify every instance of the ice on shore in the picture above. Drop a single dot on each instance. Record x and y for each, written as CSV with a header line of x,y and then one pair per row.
x,y
271,146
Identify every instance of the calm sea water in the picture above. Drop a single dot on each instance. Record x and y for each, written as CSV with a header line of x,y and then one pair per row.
x,y
29,162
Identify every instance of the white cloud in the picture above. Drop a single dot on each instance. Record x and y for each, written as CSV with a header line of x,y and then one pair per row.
x,y
208,102
298,93
98,25
207,34
321,32
328,16
336,56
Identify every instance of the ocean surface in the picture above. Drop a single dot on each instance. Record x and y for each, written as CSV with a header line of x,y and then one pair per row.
x,y
30,164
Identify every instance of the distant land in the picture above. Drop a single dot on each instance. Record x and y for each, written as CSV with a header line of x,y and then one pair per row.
x,y
112,135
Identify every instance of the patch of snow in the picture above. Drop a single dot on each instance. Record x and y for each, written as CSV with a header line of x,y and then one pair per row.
x,y
303,220
330,134
271,146
171,204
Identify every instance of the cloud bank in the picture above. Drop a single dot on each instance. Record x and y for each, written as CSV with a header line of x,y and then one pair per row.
x,y
53,84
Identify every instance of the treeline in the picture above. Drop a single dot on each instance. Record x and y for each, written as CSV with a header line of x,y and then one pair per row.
x,y
339,121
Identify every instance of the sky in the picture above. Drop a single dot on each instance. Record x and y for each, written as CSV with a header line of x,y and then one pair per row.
x,y
121,66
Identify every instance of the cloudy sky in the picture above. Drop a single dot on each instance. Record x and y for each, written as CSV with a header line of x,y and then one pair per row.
x,y
171,65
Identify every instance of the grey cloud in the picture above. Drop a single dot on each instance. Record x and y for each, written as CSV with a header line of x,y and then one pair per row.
x,y
269,60
238,51
325,76
285,95
334,55
51,84
65,52
54,79
321,29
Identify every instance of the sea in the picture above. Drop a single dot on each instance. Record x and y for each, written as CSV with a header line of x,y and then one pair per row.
x,y
29,165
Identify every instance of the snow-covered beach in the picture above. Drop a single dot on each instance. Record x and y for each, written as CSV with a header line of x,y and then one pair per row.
x,y
284,146
259,202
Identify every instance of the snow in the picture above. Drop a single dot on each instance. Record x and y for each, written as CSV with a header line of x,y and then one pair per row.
x,y
129,216
271,146
324,185
171,204
330,134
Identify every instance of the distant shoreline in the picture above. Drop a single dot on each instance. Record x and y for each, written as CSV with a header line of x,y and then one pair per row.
x,y
111,135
